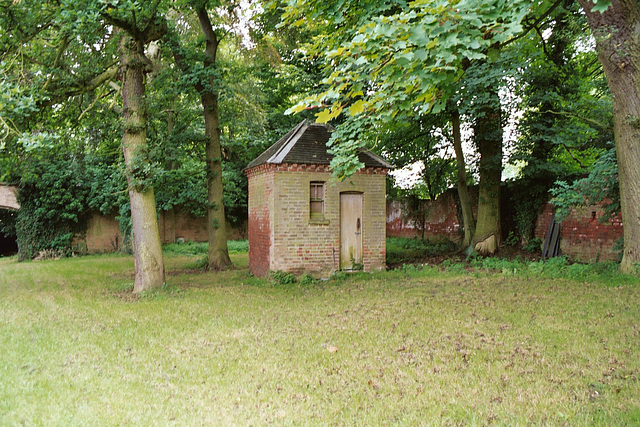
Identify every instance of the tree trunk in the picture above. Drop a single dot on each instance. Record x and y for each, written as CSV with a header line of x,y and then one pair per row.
x,y
488,136
463,190
218,251
149,264
617,33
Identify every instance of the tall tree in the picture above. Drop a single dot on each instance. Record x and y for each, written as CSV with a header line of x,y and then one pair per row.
x,y
566,111
136,31
412,58
218,251
482,81
206,80
616,28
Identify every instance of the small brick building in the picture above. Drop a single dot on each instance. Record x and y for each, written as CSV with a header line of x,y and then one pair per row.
x,y
302,221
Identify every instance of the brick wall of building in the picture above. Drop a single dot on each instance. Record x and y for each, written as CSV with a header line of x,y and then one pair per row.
x,y
302,245
261,185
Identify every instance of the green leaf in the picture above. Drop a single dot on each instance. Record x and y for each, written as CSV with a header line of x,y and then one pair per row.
x,y
295,109
601,5
357,107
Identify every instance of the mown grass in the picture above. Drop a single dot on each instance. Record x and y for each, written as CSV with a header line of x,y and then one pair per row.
x,y
458,344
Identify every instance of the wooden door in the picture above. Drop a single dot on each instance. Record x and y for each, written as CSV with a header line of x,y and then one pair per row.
x,y
351,231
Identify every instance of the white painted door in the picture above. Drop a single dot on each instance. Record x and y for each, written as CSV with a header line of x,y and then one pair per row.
x,y
351,231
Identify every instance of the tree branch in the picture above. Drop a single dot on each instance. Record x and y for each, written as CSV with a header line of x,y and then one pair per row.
x,y
124,25
575,116
63,47
211,39
534,24
82,87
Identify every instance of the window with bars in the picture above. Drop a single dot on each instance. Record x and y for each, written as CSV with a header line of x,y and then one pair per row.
x,y
316,199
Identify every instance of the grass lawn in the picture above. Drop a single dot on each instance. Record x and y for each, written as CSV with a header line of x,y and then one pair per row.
x,y
412,346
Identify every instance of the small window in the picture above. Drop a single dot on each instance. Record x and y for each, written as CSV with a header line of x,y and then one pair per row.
x,y
316,198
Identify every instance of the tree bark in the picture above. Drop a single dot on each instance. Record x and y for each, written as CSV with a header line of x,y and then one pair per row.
x,y
463,190
488,136
149,264
216,222
617,34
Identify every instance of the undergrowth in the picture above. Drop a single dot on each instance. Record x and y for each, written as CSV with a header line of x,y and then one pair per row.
x,y
553,268
201,248
407,250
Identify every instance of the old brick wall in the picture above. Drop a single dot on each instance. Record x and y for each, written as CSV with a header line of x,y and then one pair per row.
x,y
440,221
303,245
103,232
582,236
261,204
175,225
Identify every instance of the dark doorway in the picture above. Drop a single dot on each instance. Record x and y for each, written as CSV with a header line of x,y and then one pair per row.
x,y
8,245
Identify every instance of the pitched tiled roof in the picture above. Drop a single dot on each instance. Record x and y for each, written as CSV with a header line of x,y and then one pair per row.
x,y
307,144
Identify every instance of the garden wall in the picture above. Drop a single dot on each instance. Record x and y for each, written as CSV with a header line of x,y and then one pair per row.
x,y
582,236
431,220
103,232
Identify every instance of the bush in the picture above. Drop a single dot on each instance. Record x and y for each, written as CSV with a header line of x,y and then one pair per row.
x,y
238,246
282,277
534,245
305,279
187,248
402,250
53,204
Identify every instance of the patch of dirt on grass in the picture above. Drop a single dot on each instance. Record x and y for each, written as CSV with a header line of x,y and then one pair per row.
x,y
124,295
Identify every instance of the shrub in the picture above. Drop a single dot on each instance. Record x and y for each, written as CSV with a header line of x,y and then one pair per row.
x,y
305,279
402,250
238,246
534,245
282,277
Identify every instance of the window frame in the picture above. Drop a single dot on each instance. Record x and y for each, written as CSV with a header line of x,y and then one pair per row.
x,y
314,200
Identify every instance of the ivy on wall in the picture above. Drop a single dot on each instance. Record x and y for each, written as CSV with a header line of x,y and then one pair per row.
x,y
53,206
58,195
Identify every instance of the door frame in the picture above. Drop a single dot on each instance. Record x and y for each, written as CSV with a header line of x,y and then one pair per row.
x,y
356,264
